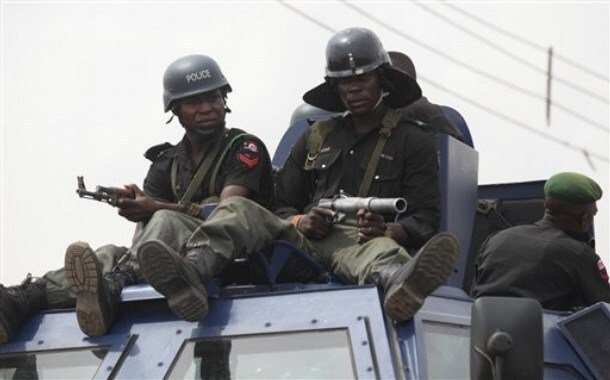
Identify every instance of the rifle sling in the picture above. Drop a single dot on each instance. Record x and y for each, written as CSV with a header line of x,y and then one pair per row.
x,y
202,170
228,147
389,121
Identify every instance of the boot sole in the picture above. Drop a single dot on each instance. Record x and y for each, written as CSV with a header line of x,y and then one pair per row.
x,y
432,268
188,301
84,274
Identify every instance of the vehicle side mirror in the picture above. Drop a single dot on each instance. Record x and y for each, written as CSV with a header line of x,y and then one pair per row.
x,y
506,339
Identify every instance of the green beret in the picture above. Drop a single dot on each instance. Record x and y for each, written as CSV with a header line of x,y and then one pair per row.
x,y
572,188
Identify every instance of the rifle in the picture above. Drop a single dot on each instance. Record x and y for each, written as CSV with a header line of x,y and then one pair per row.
x,y
344,204
104,194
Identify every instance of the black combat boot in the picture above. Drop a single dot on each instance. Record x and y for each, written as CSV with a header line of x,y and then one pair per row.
x,y
17,303
98,295
180,280
407,285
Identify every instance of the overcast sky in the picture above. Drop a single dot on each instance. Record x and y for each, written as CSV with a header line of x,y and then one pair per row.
x,y
82,83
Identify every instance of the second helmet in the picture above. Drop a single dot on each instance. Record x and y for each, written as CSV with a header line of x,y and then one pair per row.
x,y
191,75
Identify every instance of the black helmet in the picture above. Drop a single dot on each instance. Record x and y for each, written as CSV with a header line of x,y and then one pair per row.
x,y
357,51
402,62
354,51
191,75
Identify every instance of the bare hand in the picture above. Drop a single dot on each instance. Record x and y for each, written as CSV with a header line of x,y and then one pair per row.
x,y
370,225
124,192
317,223
137,208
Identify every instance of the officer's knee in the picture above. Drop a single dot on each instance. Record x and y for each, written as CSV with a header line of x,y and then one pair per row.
x,y
385,246
163,216
237,201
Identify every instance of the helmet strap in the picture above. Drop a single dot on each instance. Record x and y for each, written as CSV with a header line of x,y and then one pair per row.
x,y
170,119
382,96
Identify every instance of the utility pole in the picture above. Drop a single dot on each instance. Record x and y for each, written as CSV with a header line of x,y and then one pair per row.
x,y
549,78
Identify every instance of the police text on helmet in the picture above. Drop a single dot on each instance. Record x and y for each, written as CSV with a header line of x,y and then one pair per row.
x,y
197,76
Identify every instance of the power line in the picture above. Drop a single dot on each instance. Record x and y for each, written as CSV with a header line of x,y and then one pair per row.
x,y
308,17
514,121
513,56
525,41
476,70
476,104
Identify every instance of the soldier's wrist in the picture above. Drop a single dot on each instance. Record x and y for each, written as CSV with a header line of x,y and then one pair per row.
x,y
295,220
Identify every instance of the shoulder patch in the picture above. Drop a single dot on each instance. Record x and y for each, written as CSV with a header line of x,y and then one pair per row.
x,y
249,153
154,152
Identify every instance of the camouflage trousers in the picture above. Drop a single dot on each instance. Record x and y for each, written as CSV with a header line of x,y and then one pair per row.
x,y
171,227
239,227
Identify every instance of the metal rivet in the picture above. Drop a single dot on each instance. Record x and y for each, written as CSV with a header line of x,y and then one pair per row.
x,y
369,369
41,342
160,364
323,166
351,152
376,177
268,324
109,368
178,332
364,342
314,321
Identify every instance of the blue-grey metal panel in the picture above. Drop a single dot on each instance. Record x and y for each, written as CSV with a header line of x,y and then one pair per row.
x,y
160,334
511,191
59,331
560,359
459,165
356,309
562,324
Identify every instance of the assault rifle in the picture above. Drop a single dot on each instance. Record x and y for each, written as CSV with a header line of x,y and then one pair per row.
x,y
344,204
108,195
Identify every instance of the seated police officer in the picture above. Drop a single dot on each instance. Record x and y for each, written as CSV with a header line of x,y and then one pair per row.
x,y
210,163
422,109
551,260
371,151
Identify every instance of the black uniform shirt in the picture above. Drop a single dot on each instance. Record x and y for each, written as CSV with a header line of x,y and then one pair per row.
x,y
408,167
542,262
246,164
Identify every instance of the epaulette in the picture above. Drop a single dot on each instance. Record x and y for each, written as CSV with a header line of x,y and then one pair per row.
x,y
415,122
156,151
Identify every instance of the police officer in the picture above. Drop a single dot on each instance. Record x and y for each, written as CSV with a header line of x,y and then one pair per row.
x,y
551,260
334,155
421,109
210,163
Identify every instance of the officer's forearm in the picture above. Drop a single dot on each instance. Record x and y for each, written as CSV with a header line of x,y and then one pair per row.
x,y
163,205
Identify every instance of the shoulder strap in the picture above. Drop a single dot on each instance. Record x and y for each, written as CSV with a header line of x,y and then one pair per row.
x,y
203,169
315,140
389,121
174,178
228,147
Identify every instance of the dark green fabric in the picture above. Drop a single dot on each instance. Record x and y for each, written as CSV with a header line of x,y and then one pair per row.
x,y
318,132
258,179
239,227
391,118
408,167
542,262
572,188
